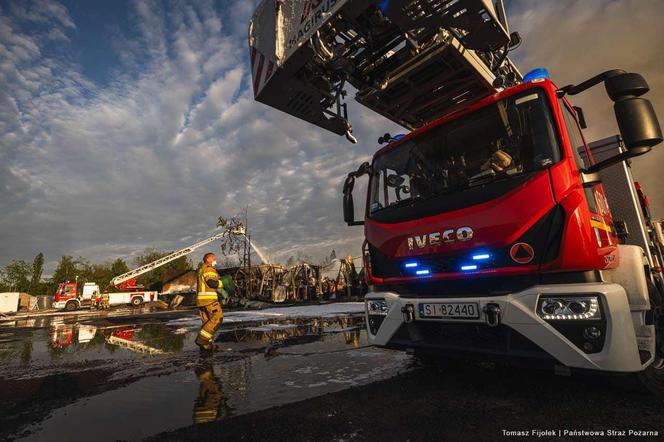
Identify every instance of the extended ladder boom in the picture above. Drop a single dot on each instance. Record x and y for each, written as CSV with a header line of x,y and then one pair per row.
x,y
173,256
411,61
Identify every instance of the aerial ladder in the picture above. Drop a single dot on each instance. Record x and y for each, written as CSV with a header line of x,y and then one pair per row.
x,y
130,277
411,61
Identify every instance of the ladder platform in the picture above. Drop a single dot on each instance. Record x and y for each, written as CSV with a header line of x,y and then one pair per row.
x,y
411,61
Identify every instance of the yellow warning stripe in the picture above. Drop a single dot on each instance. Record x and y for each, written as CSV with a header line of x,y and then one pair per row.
x,y
600,225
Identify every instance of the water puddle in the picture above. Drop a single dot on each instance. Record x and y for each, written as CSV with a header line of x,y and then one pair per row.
x,y
164,384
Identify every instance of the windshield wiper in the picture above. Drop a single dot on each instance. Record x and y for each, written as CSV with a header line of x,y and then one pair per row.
x,y
483,178
403,203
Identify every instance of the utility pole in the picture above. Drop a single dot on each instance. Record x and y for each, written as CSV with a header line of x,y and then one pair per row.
x,y
248,235
243,262
247,253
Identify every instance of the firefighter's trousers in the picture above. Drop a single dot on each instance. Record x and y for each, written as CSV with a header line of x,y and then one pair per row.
x,y
211,314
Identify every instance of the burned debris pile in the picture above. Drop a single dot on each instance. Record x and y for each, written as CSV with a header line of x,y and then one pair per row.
x,y
274,283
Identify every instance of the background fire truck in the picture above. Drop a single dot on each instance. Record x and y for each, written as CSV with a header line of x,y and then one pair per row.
x,y
74,295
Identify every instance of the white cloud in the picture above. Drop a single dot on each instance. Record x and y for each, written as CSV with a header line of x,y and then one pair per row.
x,y
160,157
579,39
175,139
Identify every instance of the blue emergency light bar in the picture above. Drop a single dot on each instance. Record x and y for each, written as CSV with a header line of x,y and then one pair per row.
x,y
537,74
469,267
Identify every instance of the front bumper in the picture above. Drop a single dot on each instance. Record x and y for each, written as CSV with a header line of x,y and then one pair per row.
x,y
521,333
59,305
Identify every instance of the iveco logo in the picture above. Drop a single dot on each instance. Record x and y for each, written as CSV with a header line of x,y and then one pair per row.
x,y
436,238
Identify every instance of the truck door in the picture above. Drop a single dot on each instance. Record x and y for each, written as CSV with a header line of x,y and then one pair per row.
x,y
601,219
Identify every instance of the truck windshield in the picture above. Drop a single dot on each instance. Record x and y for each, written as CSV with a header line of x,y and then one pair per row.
x,y
512,137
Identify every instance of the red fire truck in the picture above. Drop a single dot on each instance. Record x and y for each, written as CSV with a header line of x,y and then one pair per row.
x,y
73,295
493,227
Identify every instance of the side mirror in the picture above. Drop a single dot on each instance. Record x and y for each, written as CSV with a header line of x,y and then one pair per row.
x,y
637,121
636,117
348,204
638,124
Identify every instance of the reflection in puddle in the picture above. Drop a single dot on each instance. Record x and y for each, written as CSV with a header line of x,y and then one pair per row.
x,y
293,331
210,404
262,364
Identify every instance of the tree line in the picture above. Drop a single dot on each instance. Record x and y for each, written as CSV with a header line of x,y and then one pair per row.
x,y
23,276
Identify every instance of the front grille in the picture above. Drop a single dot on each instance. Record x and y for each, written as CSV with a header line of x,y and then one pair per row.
x,y
384,267
544,237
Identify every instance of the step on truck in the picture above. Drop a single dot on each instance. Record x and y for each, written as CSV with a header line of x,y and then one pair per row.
x,y
493,227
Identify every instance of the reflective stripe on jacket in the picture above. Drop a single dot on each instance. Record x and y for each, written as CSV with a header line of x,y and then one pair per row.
x,y
206,273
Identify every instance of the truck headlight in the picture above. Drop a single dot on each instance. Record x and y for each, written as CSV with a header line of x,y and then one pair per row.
x,y
377,307
377,311
554,308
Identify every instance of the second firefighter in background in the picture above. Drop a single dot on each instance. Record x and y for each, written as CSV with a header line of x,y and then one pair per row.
x,y
207,302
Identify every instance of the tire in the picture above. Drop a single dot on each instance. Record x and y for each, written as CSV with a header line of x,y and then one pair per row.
x,y
136,301
652,378
70,306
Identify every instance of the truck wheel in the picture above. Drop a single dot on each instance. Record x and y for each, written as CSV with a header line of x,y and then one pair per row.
x,y
652,378
136,301
71,306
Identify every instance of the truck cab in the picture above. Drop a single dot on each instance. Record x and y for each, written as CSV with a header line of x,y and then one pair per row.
x,y
72,295
489,232
497,190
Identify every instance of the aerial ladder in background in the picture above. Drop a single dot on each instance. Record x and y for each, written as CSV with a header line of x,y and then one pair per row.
x,y
409,60
131,276
74,295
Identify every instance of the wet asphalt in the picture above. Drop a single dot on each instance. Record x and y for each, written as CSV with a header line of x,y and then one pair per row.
x,y
290,374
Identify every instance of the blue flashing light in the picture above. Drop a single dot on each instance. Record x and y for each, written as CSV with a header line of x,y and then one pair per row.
x,y
423,272
410,265
383,5
481,256
398,137
469,267
536,74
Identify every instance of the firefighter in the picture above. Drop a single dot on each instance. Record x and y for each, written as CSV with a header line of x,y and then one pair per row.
x,y
207,302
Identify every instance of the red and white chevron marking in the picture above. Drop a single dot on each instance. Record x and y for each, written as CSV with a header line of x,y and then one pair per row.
x,y
261,68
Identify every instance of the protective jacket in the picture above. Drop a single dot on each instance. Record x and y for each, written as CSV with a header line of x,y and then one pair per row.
x,y
208,283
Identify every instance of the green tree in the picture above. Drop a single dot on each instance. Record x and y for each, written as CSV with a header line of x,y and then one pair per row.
x,y
103,273
37,287
154,280
16,276
118,267
67,269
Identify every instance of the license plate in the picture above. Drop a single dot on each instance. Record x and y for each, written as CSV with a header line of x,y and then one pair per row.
x,y
450,310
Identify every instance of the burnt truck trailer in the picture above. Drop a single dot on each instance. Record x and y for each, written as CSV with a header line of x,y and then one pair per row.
x,y
493,227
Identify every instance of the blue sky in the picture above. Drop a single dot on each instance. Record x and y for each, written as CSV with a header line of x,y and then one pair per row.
x,y
130,124
98,24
